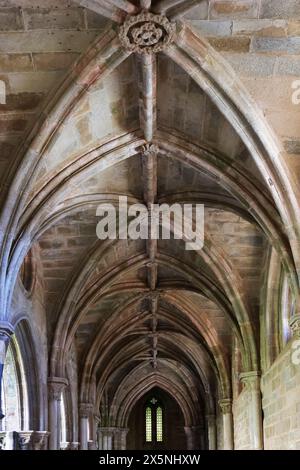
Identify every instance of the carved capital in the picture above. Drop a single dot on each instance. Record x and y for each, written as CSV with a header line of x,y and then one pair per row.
x,y
74,445
295,325
149,149
251,380
2,440
6,331
65,446
85,409
40,440
23,440
56,386
146,33
225,405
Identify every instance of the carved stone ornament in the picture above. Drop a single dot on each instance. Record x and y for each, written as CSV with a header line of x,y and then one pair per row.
x,y
74,446
56,385
23,440
146,33
226,405
295,325
149,149
2,440
40,440
85,409
251,380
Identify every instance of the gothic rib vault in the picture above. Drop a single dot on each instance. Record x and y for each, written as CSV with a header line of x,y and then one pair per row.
x,y
153,111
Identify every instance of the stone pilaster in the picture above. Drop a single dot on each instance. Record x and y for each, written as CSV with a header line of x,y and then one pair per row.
x,y
56,386
226,409
251,380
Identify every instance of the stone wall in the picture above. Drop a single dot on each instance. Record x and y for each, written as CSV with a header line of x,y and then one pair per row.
x,y
281,403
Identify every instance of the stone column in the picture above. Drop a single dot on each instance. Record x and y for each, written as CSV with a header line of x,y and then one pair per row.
x,y
252,382
56,385
120,438
85,410
6,331
226,408
212,431
106,438
93,421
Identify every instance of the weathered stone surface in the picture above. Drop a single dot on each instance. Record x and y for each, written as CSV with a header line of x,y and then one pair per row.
x,y
32,82
46,41
12,125
233,9
292,146
252,65
15,63
279,9
289,45
231,44
53,19
212,28
22,102
54,61
268,28
199,12
294,28
10,19
288,66
95,21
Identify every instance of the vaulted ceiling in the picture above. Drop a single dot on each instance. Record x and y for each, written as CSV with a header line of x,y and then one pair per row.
x,y
88,119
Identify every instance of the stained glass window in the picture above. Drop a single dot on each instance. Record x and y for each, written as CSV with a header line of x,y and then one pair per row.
x,y
159,424
154,421
148,424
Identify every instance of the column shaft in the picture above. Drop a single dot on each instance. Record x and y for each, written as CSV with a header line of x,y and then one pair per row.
x,y
226,408
252,383
85,414
56,385
212,432
83,433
